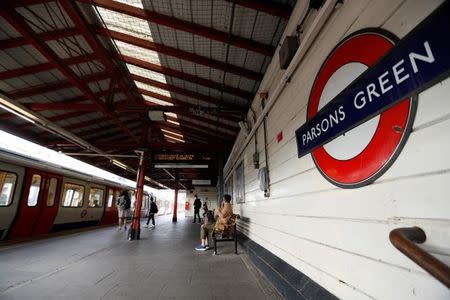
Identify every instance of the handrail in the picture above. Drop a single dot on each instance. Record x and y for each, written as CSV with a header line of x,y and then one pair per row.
x,y
405,239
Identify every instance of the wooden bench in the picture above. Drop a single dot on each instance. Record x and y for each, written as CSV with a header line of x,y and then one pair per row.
x,y
228,235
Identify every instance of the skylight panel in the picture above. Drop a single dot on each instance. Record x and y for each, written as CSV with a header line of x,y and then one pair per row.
x,y
125,24
146,73
138,52
156,101
152,89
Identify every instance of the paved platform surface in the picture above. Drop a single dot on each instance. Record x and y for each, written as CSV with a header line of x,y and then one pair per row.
x,y
103,264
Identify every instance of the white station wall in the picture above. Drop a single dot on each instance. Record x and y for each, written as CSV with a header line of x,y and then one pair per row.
x,y
339,237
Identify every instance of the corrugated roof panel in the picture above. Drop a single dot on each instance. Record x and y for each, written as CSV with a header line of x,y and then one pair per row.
x,y
86,68
185,41
218,50
237,56
171,62
202,46
254,62
188,67
119,97
244,21
52,13
152,89
156,101
201,12
168,36
266,26
69,47
279,32
203,71
125,24
160,6
246,84
138,52
222,120
216,75
13,84
99,86
146,73
7,30
21,56
221,15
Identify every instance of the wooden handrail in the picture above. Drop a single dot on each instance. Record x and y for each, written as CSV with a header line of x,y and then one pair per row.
x,y
406,240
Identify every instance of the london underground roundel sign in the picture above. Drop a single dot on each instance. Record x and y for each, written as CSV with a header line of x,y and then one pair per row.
x,y
362,154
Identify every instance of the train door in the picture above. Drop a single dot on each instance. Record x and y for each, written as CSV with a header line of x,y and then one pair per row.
x,y
30,205
110,215
51,193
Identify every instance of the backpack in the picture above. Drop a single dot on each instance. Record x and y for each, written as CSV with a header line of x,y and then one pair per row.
x,y
153,208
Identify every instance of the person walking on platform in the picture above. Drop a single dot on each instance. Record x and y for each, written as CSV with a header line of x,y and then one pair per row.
x,y
197,205
123,208
151,213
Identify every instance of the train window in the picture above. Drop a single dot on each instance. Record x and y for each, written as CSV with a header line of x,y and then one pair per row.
x,y
95,197
51,191
7,184
73,195
117,193
110,197
35,187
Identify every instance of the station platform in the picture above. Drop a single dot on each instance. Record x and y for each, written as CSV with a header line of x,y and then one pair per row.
x,y
103,264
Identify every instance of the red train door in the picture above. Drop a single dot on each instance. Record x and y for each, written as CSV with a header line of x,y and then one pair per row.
x,y
51,193
30,205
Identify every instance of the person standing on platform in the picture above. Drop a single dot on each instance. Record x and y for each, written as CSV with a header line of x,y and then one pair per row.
x,y
197,205
123,208
151,213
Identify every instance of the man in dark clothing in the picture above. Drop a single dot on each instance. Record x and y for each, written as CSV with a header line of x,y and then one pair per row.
x,y
197,205
153,209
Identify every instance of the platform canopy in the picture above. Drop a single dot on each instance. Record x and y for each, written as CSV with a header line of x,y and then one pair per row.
x,y
173,77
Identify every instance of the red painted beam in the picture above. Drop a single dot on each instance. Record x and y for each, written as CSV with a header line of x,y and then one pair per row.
x,y
188,56
268,7
182,25
17,21
181,91
205,135
44,67
44,36
54,86
87,123
202,126
63,106
181,110
185,76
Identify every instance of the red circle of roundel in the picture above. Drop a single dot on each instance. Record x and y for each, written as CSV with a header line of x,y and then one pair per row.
x,y
366,48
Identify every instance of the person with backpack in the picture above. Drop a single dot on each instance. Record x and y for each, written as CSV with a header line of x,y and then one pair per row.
x,y
123,208
153,209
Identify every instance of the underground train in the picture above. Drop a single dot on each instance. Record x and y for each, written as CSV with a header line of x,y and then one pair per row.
x,y
39,198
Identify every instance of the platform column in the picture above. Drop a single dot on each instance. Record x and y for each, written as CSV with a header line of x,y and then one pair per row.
x,y
135,230
175,206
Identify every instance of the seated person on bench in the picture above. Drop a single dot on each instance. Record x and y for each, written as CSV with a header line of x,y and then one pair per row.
x,y
206,231
224,214
223,217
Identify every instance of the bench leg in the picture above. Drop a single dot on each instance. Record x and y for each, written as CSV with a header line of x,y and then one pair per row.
x,y
215,246
235,244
